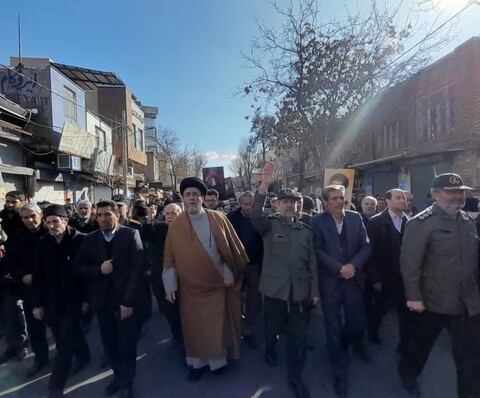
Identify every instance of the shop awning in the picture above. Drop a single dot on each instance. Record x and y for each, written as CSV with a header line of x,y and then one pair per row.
x,y
18,170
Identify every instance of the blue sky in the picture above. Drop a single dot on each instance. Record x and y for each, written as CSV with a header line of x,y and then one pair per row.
x,y
183,56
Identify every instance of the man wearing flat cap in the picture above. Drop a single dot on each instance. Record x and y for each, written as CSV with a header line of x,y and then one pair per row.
x,y
439,266
203,261
58,296
288,280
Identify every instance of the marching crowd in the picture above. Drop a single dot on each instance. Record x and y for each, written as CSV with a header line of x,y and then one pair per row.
x,y
217,269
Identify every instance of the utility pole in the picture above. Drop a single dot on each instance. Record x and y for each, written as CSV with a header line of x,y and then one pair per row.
x,y
20,64
125,153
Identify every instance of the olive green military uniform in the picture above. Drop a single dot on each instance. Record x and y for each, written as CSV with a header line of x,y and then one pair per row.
x,y
288,281
439,265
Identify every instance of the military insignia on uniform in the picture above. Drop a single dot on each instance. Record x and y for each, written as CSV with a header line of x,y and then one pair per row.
x,y
425,214
455,180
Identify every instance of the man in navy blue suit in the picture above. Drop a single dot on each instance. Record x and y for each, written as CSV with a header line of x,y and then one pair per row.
x,y
342,248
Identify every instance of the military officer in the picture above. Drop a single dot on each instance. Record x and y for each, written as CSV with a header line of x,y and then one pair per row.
x,y
439,266
288,280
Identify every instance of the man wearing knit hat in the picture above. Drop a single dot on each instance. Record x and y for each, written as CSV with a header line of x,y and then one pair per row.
x,y
209,278
58,295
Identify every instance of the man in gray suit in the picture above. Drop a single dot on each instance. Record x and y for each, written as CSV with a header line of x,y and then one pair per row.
x,y
112,257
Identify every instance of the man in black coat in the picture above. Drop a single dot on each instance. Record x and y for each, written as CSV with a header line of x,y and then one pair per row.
x,y
10,222
83,220
112,258
58,295
385,231
20,263
156,233
253,243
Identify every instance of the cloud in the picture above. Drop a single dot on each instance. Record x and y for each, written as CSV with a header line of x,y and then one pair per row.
x,y
215,159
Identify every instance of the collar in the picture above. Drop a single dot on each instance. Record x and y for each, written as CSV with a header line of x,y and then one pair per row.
x,y
111,235
334,219
394,215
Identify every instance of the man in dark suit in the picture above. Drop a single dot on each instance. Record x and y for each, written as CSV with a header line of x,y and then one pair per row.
x,y
112,258
253,243
385,231
342,248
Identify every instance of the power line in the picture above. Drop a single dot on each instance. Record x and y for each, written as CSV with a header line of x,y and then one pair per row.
x,y
427,36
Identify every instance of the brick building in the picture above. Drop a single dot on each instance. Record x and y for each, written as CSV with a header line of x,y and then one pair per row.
x,y
426,125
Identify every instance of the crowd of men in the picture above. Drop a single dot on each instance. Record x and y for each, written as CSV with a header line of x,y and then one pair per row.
x,y
207,263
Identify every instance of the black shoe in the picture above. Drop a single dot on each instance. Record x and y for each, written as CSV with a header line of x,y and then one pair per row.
x,y
126,393
21,353
220,371
195,374
361,351
340,387
79,365
271,358
251,341
35,368
299,390
374,338
56,394
112,388
411,385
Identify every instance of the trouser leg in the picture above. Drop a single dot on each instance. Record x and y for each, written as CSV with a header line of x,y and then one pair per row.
x,y
297,325
463,331
354,311
107,323
62,330
119,338
252,299
332,307
407,322
275,313
427,327
37,335
15,327
170,310
381,305
127,350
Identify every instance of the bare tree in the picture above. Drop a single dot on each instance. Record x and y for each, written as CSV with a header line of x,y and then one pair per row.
x,y
236,167
197,162
176,156
248,155
312,73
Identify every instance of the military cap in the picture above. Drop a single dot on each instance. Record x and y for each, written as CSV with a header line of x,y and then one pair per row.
x,y
120,199
289,194
449,181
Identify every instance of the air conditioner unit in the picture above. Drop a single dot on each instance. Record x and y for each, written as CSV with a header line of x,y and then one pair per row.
x,y
68,162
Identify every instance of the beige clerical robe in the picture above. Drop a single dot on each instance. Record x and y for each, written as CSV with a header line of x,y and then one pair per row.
x,y
210,312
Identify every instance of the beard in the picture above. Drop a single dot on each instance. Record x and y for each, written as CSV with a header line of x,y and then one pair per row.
x,y
194,209
452,206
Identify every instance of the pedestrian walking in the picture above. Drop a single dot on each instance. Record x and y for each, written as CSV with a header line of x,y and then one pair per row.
x,y
439,265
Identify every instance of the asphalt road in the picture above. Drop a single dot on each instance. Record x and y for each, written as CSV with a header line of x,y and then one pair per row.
x,y
161,371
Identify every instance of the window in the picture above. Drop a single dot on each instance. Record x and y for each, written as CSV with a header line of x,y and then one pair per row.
x,y
100,139
435,117
138,138
69,103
